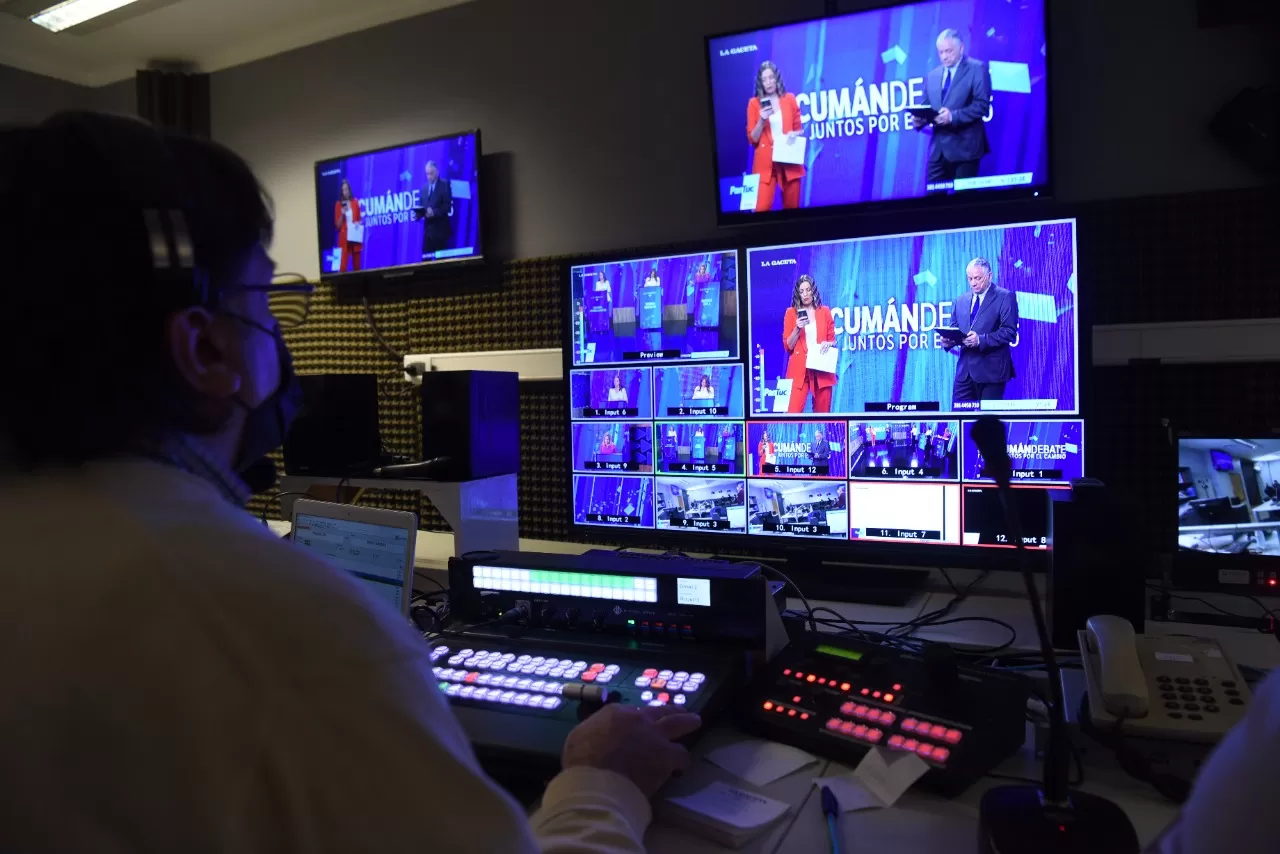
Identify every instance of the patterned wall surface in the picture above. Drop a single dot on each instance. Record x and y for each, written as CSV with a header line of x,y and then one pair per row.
x,y
1180,258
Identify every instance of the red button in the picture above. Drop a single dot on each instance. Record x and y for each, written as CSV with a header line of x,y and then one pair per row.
x,y
953,736
596,668
650,672
940,754
888,698
799,675
874,735
779,709
785,672
860,730
925,750
822,680
860,711
875,694
846,709
846,727
866,691
833,723
887,718
804,716
897,686
910,744
656,683
937,731
845,686
910,724
767,705
471,677
873,714
791,713
664,697
896,740
796,698
590,676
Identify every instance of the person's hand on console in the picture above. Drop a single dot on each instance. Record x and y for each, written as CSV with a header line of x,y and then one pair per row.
x,y
638,743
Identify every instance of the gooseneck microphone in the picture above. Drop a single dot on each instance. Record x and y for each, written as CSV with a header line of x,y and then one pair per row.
x,y
1051,817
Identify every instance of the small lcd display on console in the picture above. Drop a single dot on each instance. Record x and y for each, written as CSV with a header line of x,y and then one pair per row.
x,y
693,591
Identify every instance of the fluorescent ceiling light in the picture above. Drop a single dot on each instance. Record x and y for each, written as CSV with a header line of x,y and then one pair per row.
x,y
68,14
1245,442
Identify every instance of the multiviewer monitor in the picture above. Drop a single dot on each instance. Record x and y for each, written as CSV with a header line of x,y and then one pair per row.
x,y
1229,496
674,308
940,98
400,207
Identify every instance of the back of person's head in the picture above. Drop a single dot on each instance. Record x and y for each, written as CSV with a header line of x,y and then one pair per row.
x,y
86,354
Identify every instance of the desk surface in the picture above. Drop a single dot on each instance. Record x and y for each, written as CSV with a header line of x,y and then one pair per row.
x,y
919,822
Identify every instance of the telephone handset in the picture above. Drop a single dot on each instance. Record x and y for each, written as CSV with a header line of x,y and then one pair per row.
x,y
1175,687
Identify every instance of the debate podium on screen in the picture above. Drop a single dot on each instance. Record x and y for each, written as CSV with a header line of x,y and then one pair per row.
x,y
701,447
798,449
654,309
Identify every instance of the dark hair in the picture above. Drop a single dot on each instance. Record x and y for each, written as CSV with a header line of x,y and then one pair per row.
x,y
795,292
600,275
347,185
617,378
706,380
777,75
84,284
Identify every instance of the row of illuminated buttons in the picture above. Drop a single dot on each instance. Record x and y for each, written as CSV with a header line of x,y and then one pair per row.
x,y
497,695
862,731
868,713
938,731
662,698
497,680
936,752
680,680
770,706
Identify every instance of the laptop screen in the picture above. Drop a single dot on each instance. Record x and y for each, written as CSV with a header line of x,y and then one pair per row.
x,y
375,554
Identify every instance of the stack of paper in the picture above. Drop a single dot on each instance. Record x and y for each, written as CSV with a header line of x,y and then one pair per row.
x,y
723,814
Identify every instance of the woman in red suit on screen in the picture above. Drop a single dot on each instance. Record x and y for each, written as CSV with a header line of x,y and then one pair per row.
x,y
347,211
772,113
807,311
764,452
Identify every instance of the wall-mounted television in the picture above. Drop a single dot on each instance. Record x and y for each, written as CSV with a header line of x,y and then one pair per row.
x,y
920,102
388,211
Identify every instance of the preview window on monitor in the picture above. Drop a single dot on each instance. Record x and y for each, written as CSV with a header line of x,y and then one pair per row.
x,y
916,99
1229,495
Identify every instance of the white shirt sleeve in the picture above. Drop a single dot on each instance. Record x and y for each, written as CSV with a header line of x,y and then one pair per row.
x,y
1232,806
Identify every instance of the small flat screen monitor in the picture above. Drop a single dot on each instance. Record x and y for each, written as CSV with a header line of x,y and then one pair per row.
x,y
915,101
399,207
1229,496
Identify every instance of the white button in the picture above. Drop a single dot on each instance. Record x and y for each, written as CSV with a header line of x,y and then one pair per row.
x,y
642,682
678,699
528,668
553,687
552,661
513,667
523,684
698,676
692,687
520,699
507,696
557,673
509,682
604,677
551,703
508,655
579,665
467,691
466,652
470,662
493,694
675,686
537,686
437,670
524,657
665,674
656,703
456,659
646,695
453,690
537,659
682,674
612,668
483,652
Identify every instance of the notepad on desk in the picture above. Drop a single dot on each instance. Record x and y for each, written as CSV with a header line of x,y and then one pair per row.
x,y
723,813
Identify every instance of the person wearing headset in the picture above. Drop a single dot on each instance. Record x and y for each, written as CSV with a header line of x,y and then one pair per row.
x,y
200,684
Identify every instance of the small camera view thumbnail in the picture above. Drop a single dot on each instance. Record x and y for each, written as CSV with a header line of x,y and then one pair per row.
x,y
611,393
612,446
702,503
904,450
701,447
619,501
1229,496
798,508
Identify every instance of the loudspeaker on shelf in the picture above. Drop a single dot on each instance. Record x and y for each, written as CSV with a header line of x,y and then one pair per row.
x,y
471,423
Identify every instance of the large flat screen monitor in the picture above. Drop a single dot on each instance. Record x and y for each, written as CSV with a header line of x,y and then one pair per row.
x,y
399,207
1229,496
871,449
940,98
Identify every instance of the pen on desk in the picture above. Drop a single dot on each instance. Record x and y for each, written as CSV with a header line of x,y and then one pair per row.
x,y
831,809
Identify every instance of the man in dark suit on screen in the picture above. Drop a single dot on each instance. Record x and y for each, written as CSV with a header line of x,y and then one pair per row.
x,y
960,91
988,319
436,203
820,448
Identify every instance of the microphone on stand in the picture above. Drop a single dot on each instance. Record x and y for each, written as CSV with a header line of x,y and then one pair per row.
x,y
1050,818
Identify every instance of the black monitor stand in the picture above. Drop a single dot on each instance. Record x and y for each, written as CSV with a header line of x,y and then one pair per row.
x,y
868,585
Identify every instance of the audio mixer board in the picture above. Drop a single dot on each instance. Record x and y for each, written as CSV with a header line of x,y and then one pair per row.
x,y
518,699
